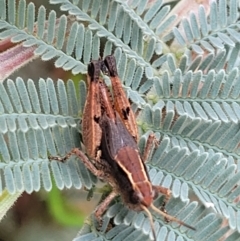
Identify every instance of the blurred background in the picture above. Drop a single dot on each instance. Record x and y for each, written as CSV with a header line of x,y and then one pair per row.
x,y
57,215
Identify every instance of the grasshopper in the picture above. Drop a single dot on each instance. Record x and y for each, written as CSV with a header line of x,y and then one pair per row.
x,y
110,137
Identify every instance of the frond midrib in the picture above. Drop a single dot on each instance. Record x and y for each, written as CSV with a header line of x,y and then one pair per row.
x,y
211,33
197,142
142,24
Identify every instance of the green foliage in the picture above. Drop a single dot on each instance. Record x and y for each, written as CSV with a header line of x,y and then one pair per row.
x,y
61,211
189,98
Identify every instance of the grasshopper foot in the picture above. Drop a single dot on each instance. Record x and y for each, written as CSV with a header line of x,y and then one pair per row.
x,y
58,158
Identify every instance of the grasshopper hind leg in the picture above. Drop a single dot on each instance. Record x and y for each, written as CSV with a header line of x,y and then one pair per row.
x,y
86,161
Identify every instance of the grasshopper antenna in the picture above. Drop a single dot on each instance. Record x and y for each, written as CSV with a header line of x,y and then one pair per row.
x,y
151,221
170,218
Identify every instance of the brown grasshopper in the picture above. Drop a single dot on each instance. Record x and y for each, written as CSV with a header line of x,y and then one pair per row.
x,y
110,137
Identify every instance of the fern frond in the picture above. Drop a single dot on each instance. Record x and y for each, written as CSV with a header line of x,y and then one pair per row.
x,y
175,164
208,91
34,126
189,98
82,41
216,34
197,119
47,35
126,25
131,225
90,14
